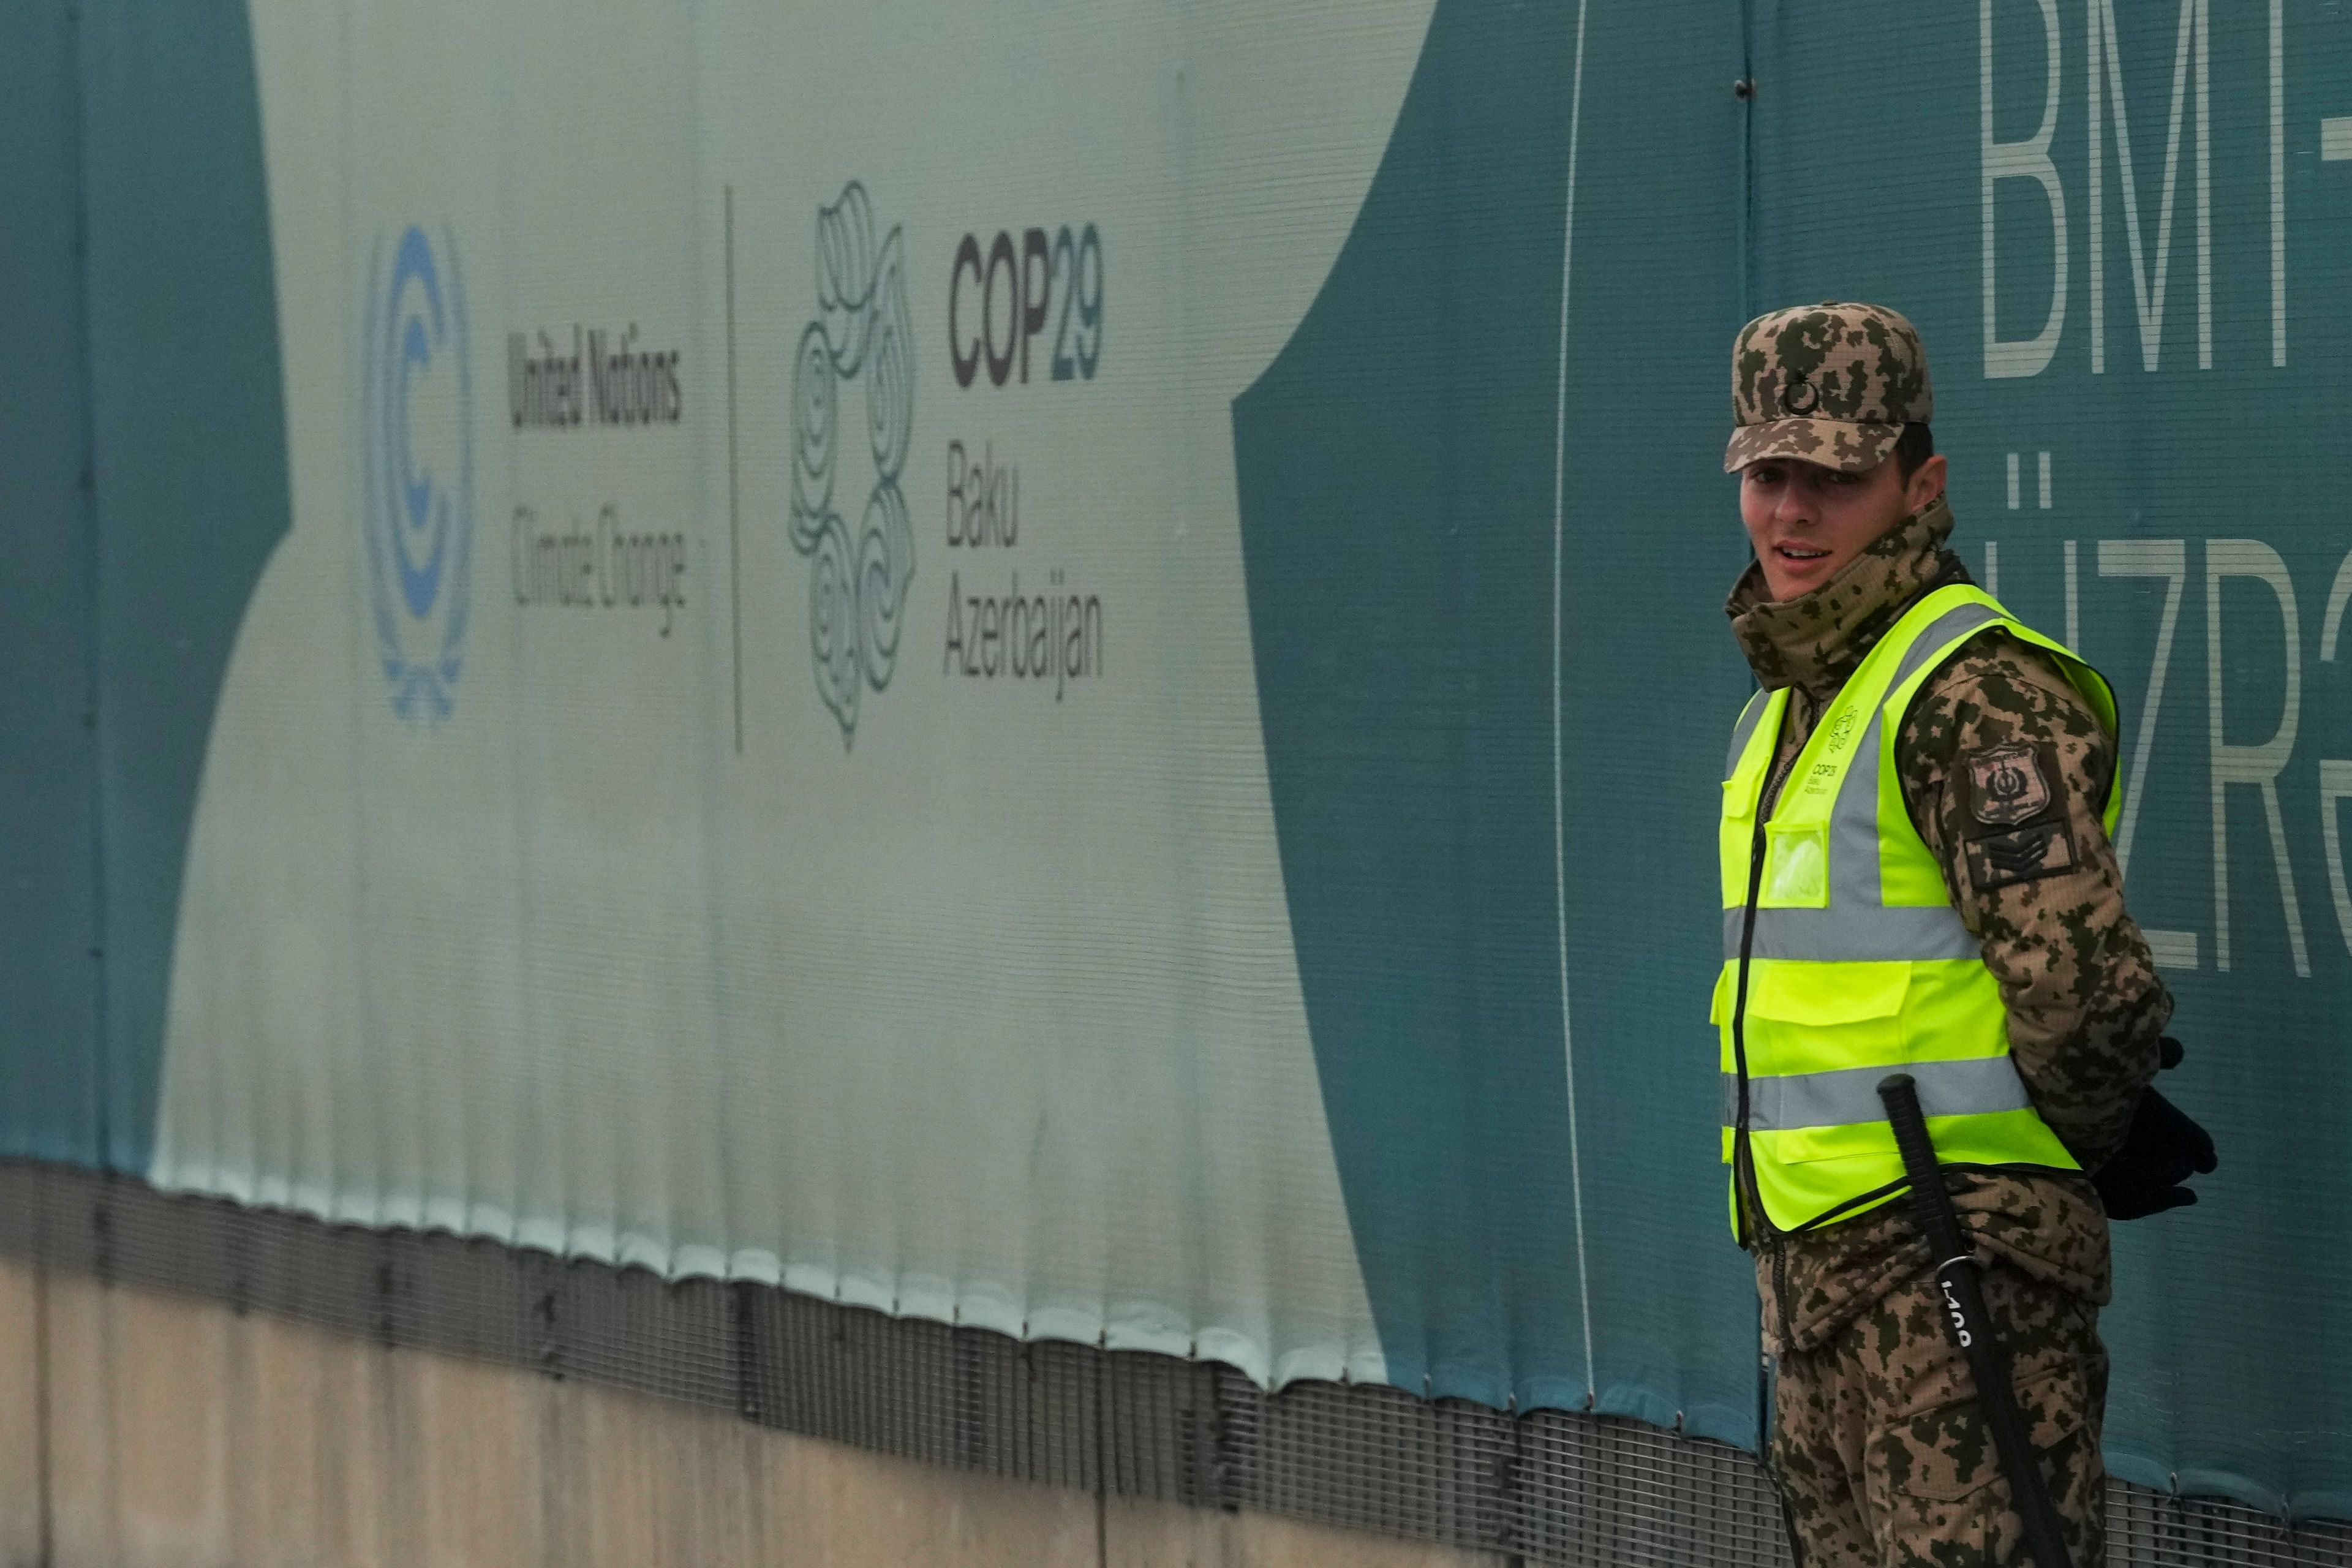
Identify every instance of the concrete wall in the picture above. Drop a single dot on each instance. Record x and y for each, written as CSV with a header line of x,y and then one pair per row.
x,y
23,1415
140,1429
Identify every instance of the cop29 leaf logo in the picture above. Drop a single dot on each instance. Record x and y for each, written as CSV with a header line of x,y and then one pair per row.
x,y
858,578
417,507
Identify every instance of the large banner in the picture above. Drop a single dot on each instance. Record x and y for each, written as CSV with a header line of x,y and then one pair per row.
x,y
1062,668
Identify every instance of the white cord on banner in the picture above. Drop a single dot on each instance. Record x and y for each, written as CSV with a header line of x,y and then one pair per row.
x,y
1559,818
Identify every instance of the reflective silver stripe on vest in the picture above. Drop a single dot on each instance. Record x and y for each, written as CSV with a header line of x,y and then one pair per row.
x,y
1849,935
1857,926
1846,1097
1750,717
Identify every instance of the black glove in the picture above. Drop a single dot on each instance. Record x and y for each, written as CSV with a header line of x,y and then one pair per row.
x,y
2159,1153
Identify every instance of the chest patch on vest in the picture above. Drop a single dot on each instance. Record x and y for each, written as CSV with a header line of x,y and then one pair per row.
x,y
2008,784
2043,850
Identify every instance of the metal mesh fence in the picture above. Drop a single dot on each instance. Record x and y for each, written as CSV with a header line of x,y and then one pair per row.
x,y
1549,1487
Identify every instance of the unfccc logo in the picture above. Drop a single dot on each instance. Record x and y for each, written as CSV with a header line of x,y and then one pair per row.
x,y
417,503
857,582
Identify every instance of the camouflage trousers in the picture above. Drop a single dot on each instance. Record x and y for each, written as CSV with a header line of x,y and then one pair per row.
x,y
1883,1455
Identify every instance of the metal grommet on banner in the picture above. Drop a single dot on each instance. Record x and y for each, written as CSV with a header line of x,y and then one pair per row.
x,y
1744,89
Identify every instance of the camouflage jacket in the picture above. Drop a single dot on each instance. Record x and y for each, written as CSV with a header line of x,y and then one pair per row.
x,y
2086,1005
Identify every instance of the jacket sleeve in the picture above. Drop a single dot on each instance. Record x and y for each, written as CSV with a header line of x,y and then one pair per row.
x,y
2004,768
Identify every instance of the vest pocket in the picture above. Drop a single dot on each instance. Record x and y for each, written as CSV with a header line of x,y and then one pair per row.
x,y
1735,837
1867,998
1796,865
1822,1018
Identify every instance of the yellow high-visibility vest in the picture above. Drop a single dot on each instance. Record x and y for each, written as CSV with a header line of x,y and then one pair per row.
x,y
1843,959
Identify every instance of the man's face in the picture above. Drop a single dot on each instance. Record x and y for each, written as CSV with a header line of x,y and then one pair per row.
x,y
1807,521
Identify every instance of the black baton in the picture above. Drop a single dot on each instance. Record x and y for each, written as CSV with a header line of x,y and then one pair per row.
x,y
1966,1324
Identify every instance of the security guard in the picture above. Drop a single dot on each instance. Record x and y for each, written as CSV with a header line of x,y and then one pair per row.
x,y
1917,876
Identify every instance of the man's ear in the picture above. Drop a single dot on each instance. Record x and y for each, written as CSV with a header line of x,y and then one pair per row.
x,y
1927,482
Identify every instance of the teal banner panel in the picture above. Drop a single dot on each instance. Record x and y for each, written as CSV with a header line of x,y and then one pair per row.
x,y
186,426
1463,727
2123,230
49,1057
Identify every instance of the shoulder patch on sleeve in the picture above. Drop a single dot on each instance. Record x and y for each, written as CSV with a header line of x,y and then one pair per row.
x,y
2009,786
2043,850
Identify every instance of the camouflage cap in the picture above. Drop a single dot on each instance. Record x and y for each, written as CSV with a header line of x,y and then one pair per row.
x,y
1830,384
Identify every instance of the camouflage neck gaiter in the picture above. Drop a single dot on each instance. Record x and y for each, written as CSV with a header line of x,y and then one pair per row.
x,y
1815,642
